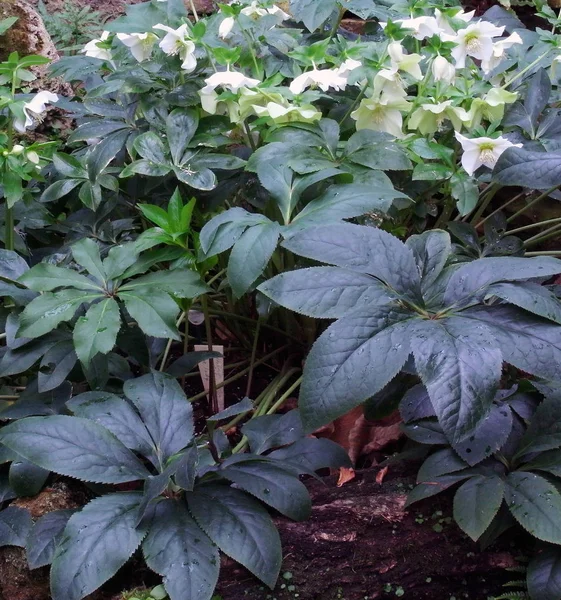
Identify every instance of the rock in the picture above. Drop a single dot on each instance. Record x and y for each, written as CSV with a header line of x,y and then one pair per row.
x,y
29,36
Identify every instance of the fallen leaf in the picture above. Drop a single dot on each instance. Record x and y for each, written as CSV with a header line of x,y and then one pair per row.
x,y
345,475
380,475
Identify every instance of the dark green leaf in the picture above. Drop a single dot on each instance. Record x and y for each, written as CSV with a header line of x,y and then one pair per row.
x,y
312,13
189,361
544,574
48,310
240,527
182,283
351,361
272,431
536,170
530,296
27,479
86,253
46,278
15,525
325,292
97,330
476,504
312,454
250,255
362,249
177,549
45,535
181,126
165,411
74,447
96,543
535,504
154,311
56,365
272,485
431,250
460,365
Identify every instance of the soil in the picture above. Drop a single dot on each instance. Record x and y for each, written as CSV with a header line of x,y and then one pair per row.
x,y
362,544
359,544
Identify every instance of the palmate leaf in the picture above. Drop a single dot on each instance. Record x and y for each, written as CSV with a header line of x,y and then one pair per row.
x,y
96,543
47,311
96,332
535,504
325,292
361,249
165,411
351,361
250,255
530,343
177,549
532,297
460,365
46,278
182,283
273,431
431,250
471,280
240,527
544,431
271,484
45,535
15,525
476,504
118,416
74,447
312,13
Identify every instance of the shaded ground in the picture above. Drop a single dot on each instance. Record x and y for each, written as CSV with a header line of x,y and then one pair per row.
x,y
361,544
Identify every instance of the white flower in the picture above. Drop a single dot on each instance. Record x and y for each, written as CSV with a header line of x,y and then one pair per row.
x,y
491,106
287,114
442,70
443,19
324,79
390,83
429,117
482,151
226,27
409,63
231,80
476,40
254,10
177,41
34,109
381,113
423,27
498,53
92,49
140,44
349,65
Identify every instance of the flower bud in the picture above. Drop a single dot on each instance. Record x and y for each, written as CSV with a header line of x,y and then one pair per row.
x,y
226,27
442,70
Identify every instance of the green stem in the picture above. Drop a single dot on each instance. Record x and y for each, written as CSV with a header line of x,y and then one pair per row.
x,y
526,69
534,225
498,210
542,236
170,342
249,136
544,253
241,373
252,361
445,214
274,390
489,195
354,104
532,203
284,397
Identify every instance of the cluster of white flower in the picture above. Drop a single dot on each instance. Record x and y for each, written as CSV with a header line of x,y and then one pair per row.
x,y
385,104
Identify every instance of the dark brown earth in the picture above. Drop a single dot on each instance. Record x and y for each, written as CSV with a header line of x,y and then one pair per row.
x,y
360,543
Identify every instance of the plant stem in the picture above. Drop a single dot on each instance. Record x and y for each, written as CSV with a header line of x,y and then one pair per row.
x,y
534,225
268,400
354,104
542,236
252,361
514,199
284,397
445,214
9,236
531,203
526,69
489,195
241,373
170,342
249,136
545,253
